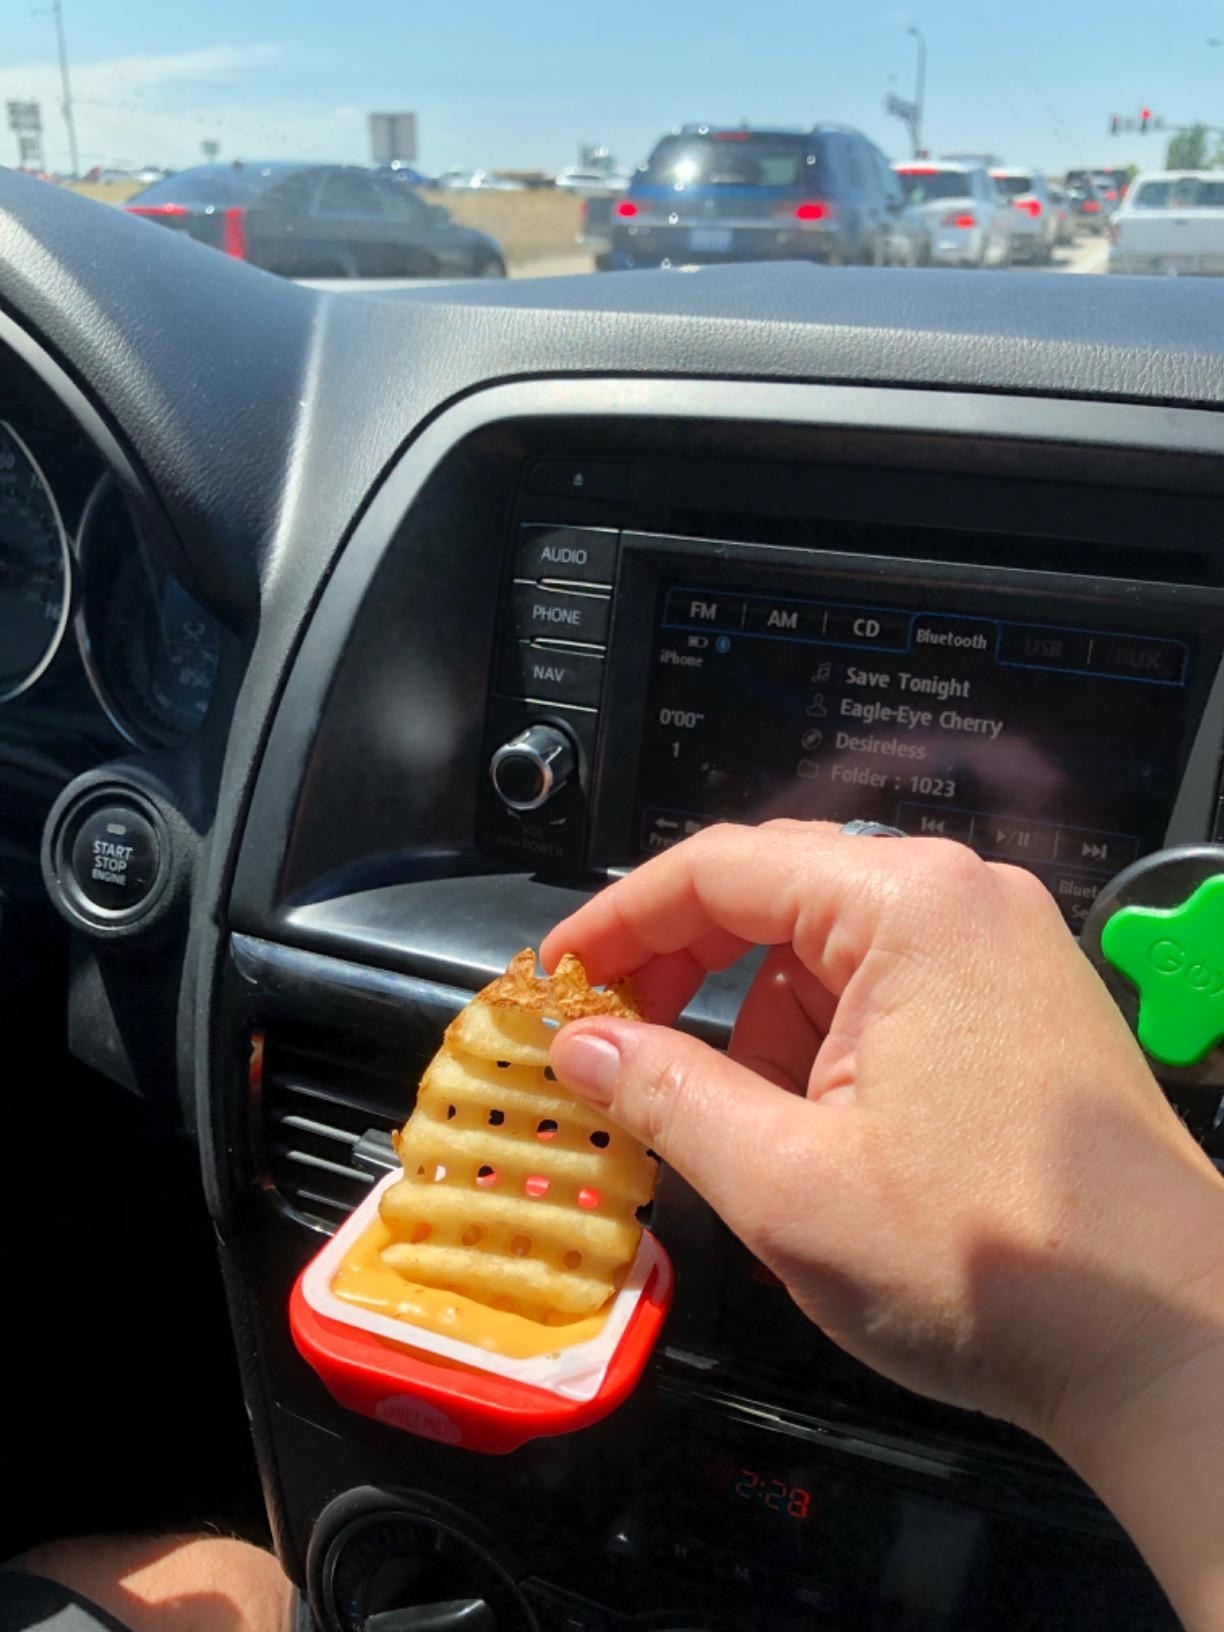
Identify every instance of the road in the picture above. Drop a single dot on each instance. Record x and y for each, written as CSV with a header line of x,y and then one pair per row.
x,y
1087,255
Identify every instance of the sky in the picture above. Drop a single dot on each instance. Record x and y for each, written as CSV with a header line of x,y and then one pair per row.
x,y
521,83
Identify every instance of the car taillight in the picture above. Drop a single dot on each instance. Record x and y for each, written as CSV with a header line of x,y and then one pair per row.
x,y
1111,197
627,209
1028,206
813,209
233,232
1091,207
156,209
965,219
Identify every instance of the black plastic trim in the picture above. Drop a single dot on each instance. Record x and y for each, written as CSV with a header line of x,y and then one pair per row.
x,y
948,430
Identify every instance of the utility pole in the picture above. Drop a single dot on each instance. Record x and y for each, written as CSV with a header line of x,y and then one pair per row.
x,y
57,10
919,88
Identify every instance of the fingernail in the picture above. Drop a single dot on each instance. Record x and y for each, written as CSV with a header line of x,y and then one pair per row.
x,y
588,1065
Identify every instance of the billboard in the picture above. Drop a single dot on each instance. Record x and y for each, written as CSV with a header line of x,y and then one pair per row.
x,y
25,121
24,117
393,136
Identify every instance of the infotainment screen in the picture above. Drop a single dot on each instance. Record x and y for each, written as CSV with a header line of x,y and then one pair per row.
x,y
1055,742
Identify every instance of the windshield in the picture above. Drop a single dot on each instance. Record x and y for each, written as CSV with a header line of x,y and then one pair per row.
x,y
920,186
549,139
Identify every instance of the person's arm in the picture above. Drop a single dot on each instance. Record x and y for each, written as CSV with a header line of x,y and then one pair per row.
x,y
1155,1456
935,1127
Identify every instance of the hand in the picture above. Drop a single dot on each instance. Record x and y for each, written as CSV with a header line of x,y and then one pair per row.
x,y
933,1124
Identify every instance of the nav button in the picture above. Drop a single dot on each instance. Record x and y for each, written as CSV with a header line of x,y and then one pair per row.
x,y
552,674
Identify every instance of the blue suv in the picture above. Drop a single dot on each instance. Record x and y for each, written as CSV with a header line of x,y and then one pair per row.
x,y
709,194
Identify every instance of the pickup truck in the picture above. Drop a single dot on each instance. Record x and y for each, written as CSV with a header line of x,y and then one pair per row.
x,y
1172,221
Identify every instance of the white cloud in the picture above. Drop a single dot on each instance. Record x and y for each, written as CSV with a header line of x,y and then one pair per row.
x,y
158,109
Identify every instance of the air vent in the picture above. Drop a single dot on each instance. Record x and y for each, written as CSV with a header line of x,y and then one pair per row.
x,y
325,1105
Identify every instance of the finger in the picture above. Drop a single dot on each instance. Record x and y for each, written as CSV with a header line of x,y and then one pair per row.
x,y
667,983
782,1021
715,1122
783,881
662,905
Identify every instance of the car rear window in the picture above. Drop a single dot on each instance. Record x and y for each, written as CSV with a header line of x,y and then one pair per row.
x,y
920,185
737,159
1189,193
235,186
1014,186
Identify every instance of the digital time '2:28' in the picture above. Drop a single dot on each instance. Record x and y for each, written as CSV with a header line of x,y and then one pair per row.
x,y
772,1494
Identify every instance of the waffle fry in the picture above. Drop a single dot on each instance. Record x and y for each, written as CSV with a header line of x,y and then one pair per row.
x,y
515,1193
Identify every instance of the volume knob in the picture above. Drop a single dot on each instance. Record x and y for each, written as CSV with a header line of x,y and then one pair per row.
x,y
530,768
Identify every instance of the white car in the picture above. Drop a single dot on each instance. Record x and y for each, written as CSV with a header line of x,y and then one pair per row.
x,y
1171,221
477,181
591,182
1034,225
968,220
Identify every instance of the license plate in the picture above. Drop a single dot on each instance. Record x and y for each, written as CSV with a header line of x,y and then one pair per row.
x,y
710,240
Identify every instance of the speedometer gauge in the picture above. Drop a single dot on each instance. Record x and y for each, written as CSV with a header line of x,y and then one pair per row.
x,y
150,649
34,569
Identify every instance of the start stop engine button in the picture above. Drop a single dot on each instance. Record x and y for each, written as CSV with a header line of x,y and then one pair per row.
x,y
115,857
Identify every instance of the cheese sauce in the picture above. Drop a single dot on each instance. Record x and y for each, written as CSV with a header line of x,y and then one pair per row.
x,y
364,1280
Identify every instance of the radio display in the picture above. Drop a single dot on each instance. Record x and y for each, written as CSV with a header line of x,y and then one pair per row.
x,y
1050,742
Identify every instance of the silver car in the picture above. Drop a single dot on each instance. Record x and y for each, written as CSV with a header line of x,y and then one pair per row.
x,y
1034,227
967,218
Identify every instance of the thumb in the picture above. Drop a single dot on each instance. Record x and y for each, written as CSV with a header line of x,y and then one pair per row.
x,y
715,1122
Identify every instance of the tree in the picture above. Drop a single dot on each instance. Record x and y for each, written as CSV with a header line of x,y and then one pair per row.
x,y
1188,149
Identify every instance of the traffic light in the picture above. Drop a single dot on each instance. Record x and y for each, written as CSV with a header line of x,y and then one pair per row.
x,y
1145,121
1115,124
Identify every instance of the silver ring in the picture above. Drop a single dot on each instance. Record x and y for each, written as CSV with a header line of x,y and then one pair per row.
x,y
870,830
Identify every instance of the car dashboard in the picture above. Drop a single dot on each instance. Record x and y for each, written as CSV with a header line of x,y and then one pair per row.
x,y
403,624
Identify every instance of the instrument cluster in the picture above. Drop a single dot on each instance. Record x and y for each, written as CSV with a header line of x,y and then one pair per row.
x,y
81,589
